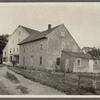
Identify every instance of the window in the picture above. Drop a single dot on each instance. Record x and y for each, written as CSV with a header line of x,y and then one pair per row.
x,y
4,59
23,48
40,60
17,49
79,62
13,41
5,53
63,34
19,33
10,50
96,63
41,46
58,61
10,58
18,40
13,49
63,45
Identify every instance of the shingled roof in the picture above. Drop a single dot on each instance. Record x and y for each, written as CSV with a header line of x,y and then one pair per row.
x,y
38,35
29,30
78,54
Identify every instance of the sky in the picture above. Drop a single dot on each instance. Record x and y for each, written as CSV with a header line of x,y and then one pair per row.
x,y
81,19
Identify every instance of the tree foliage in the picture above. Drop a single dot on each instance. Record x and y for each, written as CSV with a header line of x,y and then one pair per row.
x,y
3,41
94,52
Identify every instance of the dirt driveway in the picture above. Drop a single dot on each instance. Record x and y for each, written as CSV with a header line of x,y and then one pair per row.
x,y
25,86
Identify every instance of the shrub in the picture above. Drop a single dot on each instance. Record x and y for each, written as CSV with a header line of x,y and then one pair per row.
x,y
23,89
12,78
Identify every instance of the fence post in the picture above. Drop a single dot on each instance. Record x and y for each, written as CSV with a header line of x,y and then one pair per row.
x,y
64,75
99,84
94,84
79,83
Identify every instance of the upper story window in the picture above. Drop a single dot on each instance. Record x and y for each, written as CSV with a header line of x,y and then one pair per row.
x,y
18,40
23,48
5,53
13,41
63,34
41,46
78,62
19,33
17,49
13,49
10,50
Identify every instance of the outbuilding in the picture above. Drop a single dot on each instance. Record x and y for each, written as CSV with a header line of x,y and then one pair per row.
x,y
79,62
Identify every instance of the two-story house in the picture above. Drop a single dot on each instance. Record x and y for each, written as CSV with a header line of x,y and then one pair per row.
x,y
44,49
11,50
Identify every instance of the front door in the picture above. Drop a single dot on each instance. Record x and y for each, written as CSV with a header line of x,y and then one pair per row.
x,y
67,65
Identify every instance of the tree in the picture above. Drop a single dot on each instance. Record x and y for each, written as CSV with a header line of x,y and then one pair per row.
x,y
3,41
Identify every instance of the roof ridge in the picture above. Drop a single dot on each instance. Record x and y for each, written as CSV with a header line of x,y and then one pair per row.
x,y
27,28
52,28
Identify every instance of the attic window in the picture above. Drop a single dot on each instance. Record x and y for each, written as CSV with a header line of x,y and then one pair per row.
x,y
63,34
63,45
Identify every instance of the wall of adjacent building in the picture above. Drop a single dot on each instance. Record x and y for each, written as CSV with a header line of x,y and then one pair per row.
x,y
96,68
84,65
32,54
17,36
59,40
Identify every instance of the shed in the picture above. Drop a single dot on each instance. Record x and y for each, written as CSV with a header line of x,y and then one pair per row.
x,y
75,61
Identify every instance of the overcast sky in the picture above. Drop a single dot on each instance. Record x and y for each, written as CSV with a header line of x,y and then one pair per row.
x,y
81,19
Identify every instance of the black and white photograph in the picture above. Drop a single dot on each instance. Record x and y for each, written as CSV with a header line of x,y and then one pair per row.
x,y
50,49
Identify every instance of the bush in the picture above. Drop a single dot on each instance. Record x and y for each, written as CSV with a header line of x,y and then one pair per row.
x,y
12,78
23,89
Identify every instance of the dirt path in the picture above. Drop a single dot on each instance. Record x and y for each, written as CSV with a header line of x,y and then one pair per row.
x,y
31,88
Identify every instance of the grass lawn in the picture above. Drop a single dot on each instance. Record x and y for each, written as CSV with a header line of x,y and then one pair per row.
x,y
57,80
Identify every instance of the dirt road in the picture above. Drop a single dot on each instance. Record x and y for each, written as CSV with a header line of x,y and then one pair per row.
x,y
25,86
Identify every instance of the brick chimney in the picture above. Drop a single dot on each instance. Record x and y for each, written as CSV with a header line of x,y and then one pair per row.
x,y
49,26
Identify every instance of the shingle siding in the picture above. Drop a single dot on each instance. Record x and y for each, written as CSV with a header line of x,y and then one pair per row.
x,y
51,49
32,54
55,45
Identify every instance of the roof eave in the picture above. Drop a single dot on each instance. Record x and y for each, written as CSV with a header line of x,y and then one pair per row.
x,y
32,41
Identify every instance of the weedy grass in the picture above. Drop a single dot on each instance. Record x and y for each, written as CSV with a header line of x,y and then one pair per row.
x,y
12,77
23,89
